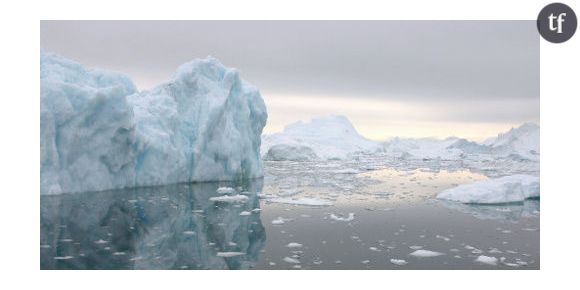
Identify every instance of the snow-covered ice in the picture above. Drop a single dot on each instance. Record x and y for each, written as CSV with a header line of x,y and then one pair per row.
x,y
97,132
515,188
329,137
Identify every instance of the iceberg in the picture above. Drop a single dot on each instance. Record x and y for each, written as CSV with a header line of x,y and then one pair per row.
x,y
523,141
507,189
98,133
325,138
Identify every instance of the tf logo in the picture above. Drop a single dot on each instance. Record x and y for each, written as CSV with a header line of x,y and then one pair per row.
x,y
557,22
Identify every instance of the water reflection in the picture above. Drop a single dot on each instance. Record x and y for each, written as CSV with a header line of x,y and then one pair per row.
x,y
171,227
507,212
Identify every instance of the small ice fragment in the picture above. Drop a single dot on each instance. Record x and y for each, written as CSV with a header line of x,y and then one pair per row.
x,y
63,258
189,233
398,262
294,245
245,213
232,244
486,260
230,198
272,264
374,249
443,238
365,261
229,254
225,190
291,260
101,241
280,221
425,253
415,247
342,219
118,253
296,266
256,210
503,261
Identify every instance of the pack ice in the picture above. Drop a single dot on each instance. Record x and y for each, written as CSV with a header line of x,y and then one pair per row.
x,y
328,137
507,189
97,132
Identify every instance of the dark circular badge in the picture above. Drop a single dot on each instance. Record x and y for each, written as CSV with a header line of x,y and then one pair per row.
x,y
557,22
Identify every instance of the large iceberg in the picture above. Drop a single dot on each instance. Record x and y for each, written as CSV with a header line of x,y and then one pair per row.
x,y
329,137
97,132
523,141
507,189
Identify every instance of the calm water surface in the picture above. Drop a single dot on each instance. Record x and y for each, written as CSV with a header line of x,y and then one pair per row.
x,y
375,215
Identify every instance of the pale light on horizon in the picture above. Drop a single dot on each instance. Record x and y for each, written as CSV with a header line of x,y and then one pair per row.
x,y
380,119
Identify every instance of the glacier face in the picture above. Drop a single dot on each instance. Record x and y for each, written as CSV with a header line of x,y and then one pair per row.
x,y
97,132
329,137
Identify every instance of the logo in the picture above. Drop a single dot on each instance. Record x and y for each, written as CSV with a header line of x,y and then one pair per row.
x,y
557,22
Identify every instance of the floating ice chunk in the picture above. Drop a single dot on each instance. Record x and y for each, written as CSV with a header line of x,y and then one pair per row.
x,y
515,188
280,221
229,254
291,260
415,247
342,219
119,254
245,213
486,260
189,233
443,238
63,258
225,190
425,254
101,241
294,245
301,201
399,262
504,262
230,198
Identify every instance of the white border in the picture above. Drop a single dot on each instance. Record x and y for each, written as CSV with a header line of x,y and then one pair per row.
x,y
20,146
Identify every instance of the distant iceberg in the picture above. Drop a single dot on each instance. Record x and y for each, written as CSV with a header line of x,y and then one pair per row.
x,y
508,189
329,137
97,132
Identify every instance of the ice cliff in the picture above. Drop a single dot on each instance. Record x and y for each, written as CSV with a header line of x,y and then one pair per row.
x,y
97,132
330,137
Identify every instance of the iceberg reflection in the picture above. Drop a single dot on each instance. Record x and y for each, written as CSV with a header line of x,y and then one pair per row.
x,y
170,227
506,212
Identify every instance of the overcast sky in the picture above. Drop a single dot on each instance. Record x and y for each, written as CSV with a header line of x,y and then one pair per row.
x,y
391,78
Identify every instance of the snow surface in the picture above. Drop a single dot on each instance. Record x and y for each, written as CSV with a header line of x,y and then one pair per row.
x,y
329,137
97,132
514,188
